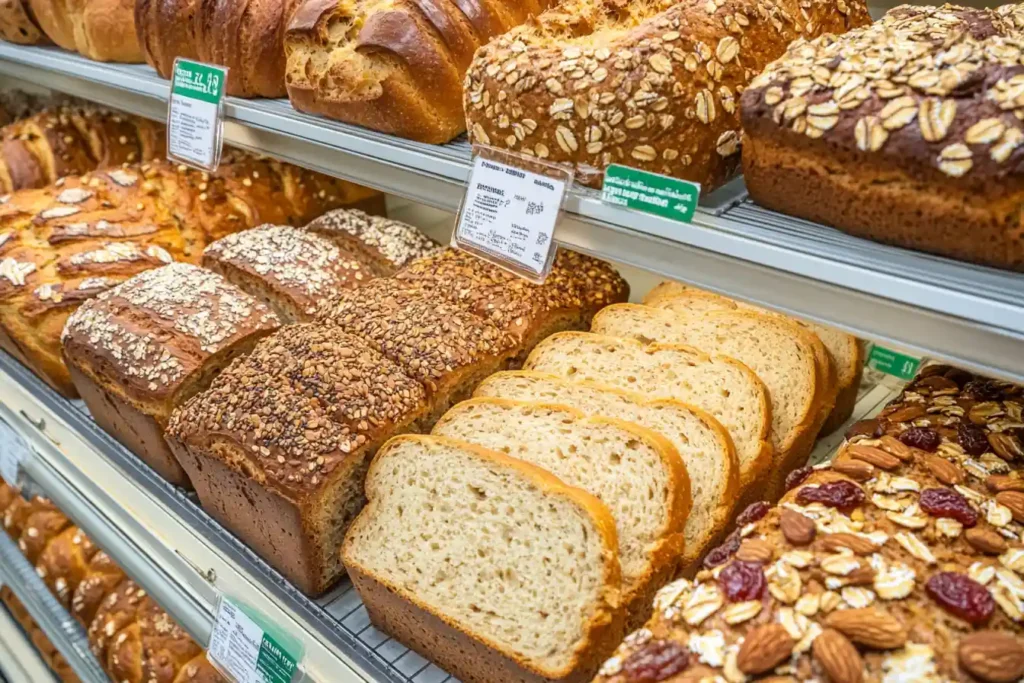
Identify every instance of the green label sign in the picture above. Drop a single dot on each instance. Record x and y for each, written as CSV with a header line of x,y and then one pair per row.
x,y
276,665
198,81
651,192
248,649
893,363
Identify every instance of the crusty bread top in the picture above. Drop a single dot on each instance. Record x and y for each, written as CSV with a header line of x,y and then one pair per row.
x,y
392,244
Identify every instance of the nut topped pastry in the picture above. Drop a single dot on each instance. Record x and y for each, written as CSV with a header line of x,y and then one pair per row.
x,y
928,98
901,561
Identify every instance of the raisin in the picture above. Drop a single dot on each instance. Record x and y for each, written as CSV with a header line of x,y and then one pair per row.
x,y
925,438
984,389
961,377
742,581
656,661
722,553
869,428
943,502
752,513
962,596
797,477
842,495
972,438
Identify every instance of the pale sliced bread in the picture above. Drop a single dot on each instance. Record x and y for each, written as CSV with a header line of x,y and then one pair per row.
x,y
779,351
703,443
638,474
722,386
488,565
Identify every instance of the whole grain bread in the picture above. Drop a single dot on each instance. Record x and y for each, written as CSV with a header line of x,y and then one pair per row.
x,y
524,588
387,244
702,442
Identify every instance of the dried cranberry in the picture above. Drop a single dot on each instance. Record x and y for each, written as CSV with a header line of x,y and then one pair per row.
x,y
843,495
972,438
925,438
742,581
797,477
962,596
752,513
943,502
656,661
722,553
984,389
869,428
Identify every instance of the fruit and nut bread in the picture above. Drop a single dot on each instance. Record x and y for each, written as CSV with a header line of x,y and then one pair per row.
x,y
901,561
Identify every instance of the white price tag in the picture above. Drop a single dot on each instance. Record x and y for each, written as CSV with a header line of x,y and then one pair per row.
x,y
13,450
195,113
245,652
510,211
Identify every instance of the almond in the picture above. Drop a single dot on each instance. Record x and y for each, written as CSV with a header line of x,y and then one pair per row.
x,y
1014,500
859,545
798,529
874,456
943,470
863,575
764,648
854,469
838,657
869,626
755,550
986,541
1002,482
894,446
993,656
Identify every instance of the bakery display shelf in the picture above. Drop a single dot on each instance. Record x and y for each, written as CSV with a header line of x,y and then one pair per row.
x,y
20,661
967,315
64,632
179,554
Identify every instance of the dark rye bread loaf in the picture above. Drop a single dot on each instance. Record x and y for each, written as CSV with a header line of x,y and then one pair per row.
x,y
906,132
278,446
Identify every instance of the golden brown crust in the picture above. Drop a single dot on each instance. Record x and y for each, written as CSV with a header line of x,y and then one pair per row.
x,y
103,30
19,25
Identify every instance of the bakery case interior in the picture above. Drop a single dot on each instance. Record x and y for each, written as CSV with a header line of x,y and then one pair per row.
x,y
259,421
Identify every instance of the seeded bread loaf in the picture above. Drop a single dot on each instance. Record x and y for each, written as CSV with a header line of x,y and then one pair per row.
x,y
902,561
19,25
702,442
475,596
101,578
138,351
395,67
386,244
278,446
916,147
103,30
653,85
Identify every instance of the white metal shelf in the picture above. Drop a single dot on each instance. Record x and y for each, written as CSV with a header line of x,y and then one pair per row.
x,y
967,315
20,662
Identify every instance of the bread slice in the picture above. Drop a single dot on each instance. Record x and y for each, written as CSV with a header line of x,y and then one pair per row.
x,y
486,564
781,353
722,386
638,474
703,443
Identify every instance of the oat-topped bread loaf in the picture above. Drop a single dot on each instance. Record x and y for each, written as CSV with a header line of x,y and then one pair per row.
x,y
654,85
19,25
138,351
290,269
72,140
278,446
103,30
447,558
906,132
385,243
393,66
62,245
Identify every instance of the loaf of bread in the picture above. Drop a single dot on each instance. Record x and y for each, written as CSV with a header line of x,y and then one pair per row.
x,y
901,561
102,577
64,563
72,140
138,351
386,244
474,595
19,104
244,35
278,446
396,67
103,30
654,85
19,25
62,245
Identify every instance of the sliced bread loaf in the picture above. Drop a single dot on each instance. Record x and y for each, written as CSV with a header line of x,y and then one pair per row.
x,y
489,566
638,474
722,386
780,352
703,443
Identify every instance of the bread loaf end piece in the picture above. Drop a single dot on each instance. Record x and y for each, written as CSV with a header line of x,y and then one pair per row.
x,y
18,24
549,621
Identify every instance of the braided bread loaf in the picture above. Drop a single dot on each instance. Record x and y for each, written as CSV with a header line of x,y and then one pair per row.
x,y
900,562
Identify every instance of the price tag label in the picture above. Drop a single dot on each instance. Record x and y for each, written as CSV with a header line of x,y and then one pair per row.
x,y
650,192
510,211
195,114
13,451
893,363
243,650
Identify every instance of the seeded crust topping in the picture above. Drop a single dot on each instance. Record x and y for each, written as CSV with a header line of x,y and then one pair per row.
x,y
901,561
940,86
157,327
395,241
303,264
306,397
